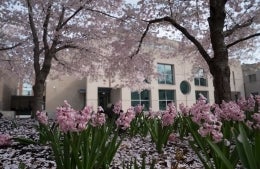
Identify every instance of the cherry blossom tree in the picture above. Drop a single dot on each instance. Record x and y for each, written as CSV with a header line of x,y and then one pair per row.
x,y
58,35
209,32
54,37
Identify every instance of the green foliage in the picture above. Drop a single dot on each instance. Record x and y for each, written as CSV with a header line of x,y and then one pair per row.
x,y
159,133
138,126
211,154
248,146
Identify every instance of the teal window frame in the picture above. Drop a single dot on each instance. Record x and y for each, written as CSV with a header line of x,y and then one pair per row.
x,y
166,97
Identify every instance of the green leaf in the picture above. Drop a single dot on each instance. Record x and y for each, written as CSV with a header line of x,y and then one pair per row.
x,y
247,147
25,141
220,154
257,147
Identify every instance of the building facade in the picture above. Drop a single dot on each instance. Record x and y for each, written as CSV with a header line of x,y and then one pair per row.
x,y
175,84
8,87
251,73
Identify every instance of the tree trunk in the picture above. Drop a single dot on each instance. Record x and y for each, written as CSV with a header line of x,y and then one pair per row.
x,y
218,65
38,90
221,80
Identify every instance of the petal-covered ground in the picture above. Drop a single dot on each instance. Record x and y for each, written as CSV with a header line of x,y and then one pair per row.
x,y
40,156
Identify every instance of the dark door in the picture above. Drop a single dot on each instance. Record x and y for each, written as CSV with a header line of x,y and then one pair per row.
x,y
104,97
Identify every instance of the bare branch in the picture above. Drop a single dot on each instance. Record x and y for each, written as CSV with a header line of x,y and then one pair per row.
x,y
170,3
68,46
61,19
35,38
243,39
69,18
10,47
238,26
141,40
103,13
183,30
45,26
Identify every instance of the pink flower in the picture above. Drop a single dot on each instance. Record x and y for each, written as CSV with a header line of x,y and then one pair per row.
x,y
42,117
167,119
185,110
208,122
231,111
100,109
5,140
125,119
69,119
172,137
247,105
154,114
139,108
98,119
256,117
117,107
169,115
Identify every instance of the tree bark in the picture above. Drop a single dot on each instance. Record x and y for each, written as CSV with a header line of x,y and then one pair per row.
x,y
218,65
221,80
38,90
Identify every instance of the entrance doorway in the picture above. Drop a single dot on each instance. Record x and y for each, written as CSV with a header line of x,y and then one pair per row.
x,y
104,97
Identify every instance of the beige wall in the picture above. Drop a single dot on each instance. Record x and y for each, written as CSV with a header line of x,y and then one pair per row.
x,y
251,86
57,91
8,86
65,89
236,79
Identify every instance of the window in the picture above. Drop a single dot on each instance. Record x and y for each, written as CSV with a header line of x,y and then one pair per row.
x,y
142,98
199,79
166,97
252,78
165,74
204,93
254,93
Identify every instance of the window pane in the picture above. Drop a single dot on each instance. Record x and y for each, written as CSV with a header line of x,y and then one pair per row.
x,y
196,81
169,101
135,96
161,79
204,93
145,95
162,95
135,103
160,68
146,105
168,69
169,94
203,82
169,79
162,105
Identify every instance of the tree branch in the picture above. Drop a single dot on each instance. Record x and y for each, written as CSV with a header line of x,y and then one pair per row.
x,y
238,26
69,18
45,26
35,38
66,47
182,30
103,13
243,39
141,40
10,47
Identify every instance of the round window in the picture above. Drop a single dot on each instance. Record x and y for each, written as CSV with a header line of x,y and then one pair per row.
x,y
185,87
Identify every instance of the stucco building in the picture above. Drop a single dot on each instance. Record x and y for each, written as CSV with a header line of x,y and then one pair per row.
x,y
8,87
251,74
176,84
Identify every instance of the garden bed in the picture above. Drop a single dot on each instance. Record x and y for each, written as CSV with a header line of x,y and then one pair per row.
x,y
40,156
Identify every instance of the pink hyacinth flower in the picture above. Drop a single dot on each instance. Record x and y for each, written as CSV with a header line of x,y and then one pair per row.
x,y
42,117
5,140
